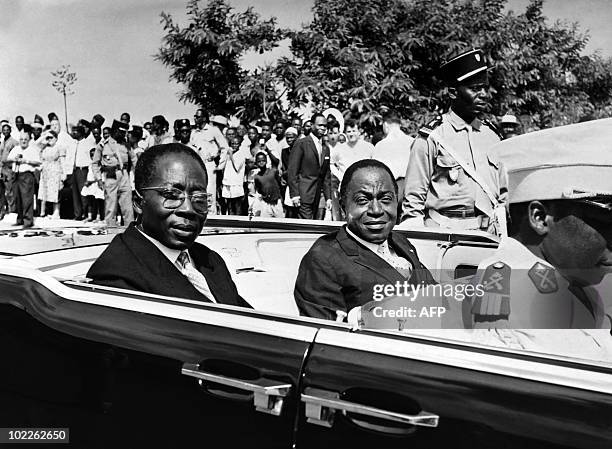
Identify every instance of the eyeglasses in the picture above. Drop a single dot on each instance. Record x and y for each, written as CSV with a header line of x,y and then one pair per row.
x,y
174,198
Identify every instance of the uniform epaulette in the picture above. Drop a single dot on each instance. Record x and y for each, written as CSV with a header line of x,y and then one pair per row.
x,y
495,298
426,130
494,128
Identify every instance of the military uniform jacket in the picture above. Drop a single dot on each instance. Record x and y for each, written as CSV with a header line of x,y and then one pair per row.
x,y
522,291
435,180
109,153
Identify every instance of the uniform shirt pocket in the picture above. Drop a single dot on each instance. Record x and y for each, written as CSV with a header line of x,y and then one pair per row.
x,y
448,167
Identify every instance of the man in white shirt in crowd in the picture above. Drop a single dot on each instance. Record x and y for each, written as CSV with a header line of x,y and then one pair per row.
x,y
26,160
274,143
394,149
76,167
355,149
211,144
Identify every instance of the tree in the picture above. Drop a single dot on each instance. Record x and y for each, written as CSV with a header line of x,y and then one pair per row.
x,y
362,56
355,58
63,82
205,55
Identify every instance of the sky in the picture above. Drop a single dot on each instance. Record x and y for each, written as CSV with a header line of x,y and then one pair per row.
x,y
110,45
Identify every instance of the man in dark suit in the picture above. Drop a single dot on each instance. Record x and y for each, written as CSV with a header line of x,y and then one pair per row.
x,y
308,171
339,272
159,254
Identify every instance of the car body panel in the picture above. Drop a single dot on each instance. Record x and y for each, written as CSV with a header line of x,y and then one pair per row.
x,y
117,363
484,398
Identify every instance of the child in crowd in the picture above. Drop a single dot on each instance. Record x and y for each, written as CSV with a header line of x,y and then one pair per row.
x,y
94,194
267,188
233,167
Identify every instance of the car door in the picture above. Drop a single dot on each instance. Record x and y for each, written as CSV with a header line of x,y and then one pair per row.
x,y
123,369
384,389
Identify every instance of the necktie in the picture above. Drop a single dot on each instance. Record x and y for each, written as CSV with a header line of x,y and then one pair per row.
x,y
196,278
402,266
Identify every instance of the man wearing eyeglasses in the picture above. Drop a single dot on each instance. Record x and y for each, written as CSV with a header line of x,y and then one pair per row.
x,y
548,274
158,254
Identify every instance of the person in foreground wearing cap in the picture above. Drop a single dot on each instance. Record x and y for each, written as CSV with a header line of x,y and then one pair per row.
x,y
546,274
110,164
453,179
159,254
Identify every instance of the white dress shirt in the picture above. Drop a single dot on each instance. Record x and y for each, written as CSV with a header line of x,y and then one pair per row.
x,y
31,153
386,253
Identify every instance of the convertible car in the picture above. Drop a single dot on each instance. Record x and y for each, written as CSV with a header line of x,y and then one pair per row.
x,y
125,369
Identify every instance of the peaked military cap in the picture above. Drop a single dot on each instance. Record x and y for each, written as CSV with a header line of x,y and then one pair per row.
x,y
566,162
466,67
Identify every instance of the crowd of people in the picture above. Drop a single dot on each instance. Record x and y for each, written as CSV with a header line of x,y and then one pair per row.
x,y
283,168
287,168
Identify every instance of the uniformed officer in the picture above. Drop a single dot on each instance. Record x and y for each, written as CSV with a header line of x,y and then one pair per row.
x,y
110,164
545,275
182,128
453,179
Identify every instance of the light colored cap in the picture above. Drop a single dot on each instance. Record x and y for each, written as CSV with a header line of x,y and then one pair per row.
x,y
567,162
219,119
36,125
509,119
291,130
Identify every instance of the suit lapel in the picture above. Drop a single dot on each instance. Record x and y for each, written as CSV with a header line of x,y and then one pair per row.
x,y
366,258
163,272
202,263
313,148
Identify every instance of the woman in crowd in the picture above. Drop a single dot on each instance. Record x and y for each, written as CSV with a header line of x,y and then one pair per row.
x,y
51,175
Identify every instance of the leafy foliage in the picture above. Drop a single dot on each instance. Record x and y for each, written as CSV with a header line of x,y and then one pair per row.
x,y
361,56
205,55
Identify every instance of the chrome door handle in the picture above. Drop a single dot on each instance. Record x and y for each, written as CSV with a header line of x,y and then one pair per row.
x,y
268,395
321,405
